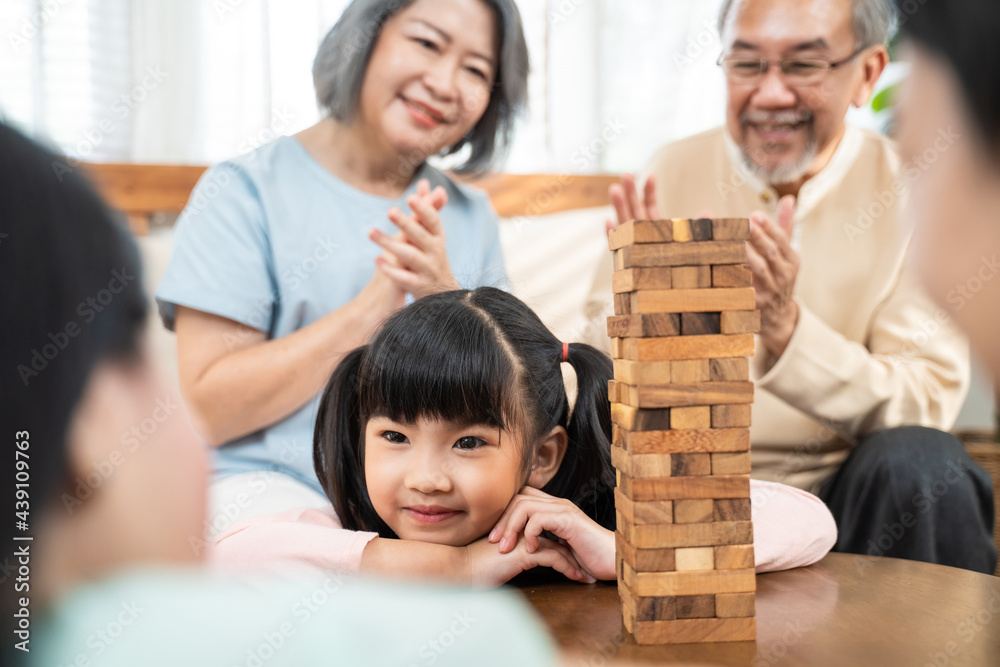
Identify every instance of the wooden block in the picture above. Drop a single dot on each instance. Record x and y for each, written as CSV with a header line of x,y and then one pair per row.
x,y
682,231
730,509
644,560
617,260
641,466
688,277
679,535
662,608
738,322
732,369
615,393
679,395
648,466
641,231
734,605
694,630
731,464
701,229
730,229
682,488
633,280
687,371
689,583
628,618
731,416
696,606
634,419
644,512
700,324
653,441
683,347
681,254
692,511
734,557
644,326
688,465
691,301
690,417
618,347
623,303
648,372
731,275
694,558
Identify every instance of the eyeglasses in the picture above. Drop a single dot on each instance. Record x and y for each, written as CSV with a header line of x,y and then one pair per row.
x,y
796,71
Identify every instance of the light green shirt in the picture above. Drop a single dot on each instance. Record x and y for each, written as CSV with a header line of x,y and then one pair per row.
x,y
182,619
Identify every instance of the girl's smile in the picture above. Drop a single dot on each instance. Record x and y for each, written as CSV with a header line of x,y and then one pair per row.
x,y
430,513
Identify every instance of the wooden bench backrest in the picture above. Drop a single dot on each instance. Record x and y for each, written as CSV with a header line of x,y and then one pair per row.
x,y
140,190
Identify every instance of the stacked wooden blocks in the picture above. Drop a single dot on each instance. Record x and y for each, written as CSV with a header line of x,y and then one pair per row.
x,y
680,338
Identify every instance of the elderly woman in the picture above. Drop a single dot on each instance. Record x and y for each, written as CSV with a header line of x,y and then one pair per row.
x,y
950,127
274,278
111,579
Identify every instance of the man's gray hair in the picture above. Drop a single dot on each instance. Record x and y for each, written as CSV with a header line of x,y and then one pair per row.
x,y
872,20
342,62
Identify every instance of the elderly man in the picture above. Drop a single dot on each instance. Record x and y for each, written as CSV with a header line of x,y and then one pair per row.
x,y
855,369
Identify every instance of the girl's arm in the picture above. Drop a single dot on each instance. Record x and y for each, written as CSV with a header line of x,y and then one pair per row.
x,y
309,538
478,564
532,511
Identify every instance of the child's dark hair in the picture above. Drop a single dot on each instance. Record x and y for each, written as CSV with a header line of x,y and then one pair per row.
x,y
475,357
59,247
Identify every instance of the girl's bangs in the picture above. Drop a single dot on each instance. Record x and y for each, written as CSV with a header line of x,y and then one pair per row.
x,y
442,363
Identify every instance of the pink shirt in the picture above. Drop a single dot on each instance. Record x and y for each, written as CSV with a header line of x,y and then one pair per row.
x,y
294,542
792,528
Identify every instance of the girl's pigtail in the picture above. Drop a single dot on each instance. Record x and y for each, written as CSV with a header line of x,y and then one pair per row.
x,y
337,442
589,432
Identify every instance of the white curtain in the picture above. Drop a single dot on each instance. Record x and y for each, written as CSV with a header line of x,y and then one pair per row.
x,y
197,81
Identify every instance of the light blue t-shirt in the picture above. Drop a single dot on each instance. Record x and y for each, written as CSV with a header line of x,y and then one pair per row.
x,y
274,241
176,619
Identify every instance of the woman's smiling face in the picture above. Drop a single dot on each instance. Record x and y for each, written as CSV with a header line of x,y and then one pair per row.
x,y
438,481
429,77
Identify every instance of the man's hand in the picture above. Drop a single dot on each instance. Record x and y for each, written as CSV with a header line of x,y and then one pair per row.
x,y
628,205
775,266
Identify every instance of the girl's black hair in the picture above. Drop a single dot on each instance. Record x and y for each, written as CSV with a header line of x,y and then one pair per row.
x,y
964,33
474,357
60,247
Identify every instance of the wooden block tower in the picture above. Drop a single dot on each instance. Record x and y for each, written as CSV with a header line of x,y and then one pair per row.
x,y
680,338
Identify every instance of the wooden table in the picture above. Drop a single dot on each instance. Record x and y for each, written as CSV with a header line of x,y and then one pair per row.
x,y
844,610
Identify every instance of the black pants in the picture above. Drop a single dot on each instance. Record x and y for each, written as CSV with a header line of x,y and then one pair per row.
x,y
914,493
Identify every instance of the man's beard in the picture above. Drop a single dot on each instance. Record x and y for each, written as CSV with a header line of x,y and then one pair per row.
x,y
782,173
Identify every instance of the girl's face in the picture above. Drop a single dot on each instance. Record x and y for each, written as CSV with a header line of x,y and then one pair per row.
x,y
440,482
430,76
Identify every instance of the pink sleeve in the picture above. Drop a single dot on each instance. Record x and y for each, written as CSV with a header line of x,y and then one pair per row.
x,y
791,527
293,542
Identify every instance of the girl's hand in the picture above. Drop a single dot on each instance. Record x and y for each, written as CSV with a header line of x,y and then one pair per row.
x,y
533,511
488,567
421,254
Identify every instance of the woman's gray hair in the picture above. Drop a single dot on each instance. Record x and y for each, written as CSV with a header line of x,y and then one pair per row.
x,y
872,20
343,56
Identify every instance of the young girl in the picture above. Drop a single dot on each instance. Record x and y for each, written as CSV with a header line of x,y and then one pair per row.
x,y
448,444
